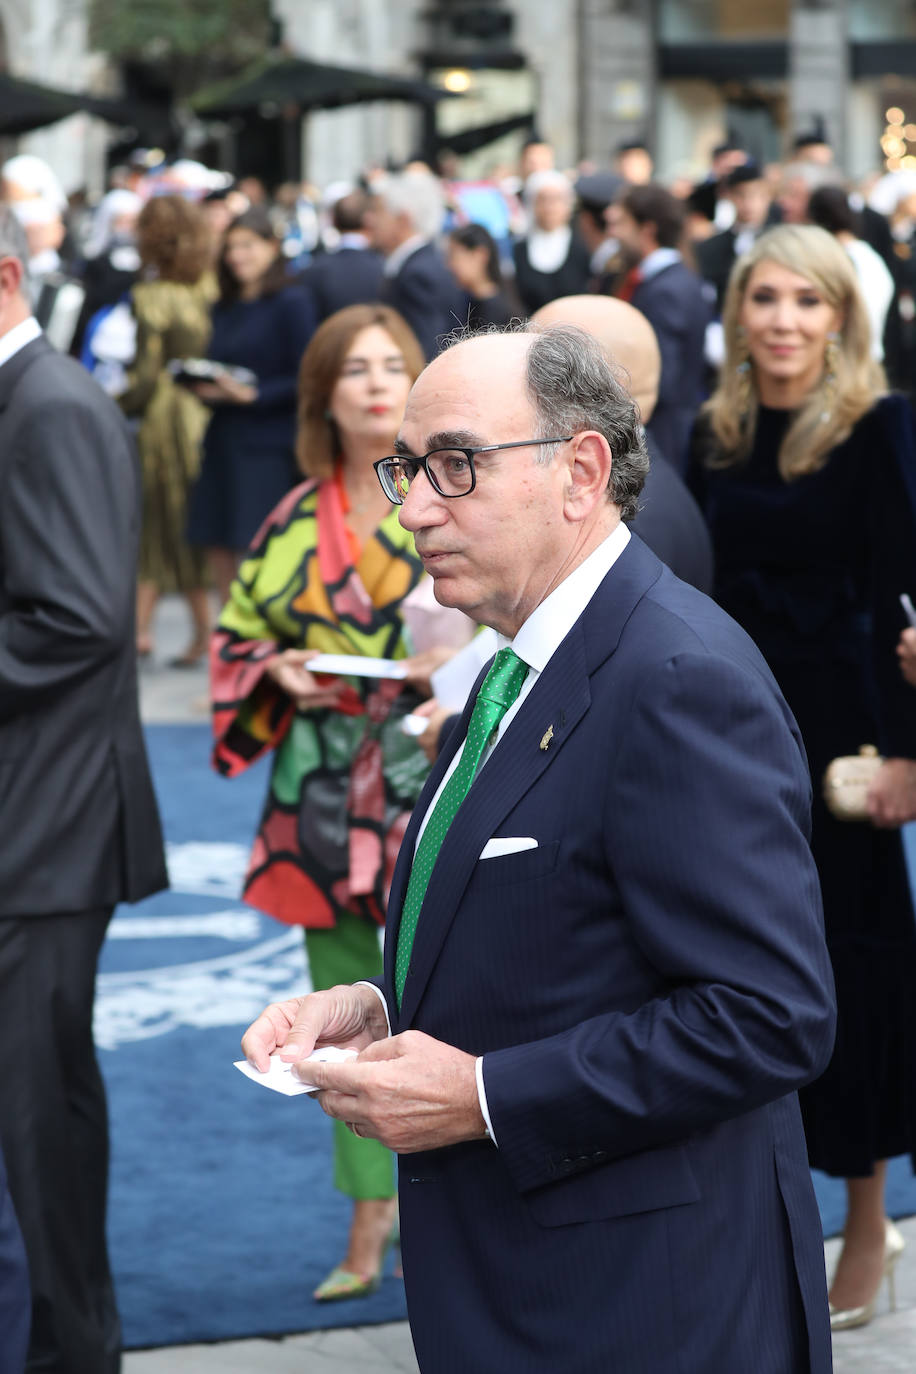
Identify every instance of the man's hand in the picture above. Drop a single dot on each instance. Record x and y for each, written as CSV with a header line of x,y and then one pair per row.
x,y
906,652
351,1017
892,795
289,672
409,1091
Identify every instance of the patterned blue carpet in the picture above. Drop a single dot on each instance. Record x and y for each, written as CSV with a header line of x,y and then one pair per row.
x,y
222,1213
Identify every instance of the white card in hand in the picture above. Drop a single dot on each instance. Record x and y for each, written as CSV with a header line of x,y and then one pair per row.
x,y
280,1076
354,665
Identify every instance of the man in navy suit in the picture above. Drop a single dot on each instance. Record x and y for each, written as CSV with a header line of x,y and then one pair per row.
x,y
352,273
587,1053
648,223
404,218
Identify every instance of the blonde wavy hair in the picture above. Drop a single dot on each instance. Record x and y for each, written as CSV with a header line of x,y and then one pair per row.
x,y
817,256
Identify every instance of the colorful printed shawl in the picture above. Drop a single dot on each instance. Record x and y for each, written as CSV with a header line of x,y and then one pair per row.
x,y
344,780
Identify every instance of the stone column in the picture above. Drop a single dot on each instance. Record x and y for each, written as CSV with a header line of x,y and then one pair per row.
x,y
617,76
819,70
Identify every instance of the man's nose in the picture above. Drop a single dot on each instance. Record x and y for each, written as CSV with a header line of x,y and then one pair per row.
x,y
420,504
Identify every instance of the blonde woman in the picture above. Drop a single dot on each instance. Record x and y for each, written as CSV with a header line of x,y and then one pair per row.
x,y
806,469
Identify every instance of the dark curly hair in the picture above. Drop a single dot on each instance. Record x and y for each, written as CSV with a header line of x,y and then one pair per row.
x,y
173,237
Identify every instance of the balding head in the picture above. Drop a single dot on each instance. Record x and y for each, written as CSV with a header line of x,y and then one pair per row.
x,y
624,333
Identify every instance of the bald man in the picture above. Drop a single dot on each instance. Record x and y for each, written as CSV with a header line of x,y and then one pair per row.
x,y
605,968
669,519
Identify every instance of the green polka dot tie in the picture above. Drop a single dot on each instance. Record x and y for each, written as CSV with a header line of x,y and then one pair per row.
x,y
499,690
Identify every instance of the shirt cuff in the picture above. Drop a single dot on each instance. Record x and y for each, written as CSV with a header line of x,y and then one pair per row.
x,y
482,1097
381,997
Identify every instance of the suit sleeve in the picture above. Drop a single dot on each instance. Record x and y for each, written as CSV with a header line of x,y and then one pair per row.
x,y
68,528
705,830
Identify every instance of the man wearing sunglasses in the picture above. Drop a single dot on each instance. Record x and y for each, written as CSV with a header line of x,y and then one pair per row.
x,y
605,971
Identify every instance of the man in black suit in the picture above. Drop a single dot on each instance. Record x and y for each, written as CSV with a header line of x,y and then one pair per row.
x,y
750,194
77,811
669,519
403,219
351,274
648,222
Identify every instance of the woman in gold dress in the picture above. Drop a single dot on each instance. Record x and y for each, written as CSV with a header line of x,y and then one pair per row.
x,y
171,304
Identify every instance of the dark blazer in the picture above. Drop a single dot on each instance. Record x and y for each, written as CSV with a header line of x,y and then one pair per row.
x,y
536,288
675,303
15,1301
76,800
647,988
672,524
715,258
351,276
425,293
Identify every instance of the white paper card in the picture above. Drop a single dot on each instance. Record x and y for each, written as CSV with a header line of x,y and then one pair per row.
x,y
354,665
280,1075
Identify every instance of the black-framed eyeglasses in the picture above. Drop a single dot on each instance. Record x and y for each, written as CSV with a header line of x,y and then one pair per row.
x,y
451,471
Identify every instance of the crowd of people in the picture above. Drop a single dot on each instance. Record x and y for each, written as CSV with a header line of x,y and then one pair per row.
x,y
717,375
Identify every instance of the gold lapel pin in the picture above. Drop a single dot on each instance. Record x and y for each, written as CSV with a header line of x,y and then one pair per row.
x,y
547,737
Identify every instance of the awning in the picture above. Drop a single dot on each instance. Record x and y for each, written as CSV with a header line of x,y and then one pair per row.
x,y
26,105
294,81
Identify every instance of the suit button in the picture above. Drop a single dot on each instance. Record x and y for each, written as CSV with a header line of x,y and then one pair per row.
x,y
583,1162
566,1166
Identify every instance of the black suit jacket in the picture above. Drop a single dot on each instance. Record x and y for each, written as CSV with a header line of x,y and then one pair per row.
x,y
715,259
77,809
351,276
425,293
672,524
674,302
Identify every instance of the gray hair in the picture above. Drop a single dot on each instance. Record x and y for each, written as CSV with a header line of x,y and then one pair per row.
x,y
13,242
418,195
573,387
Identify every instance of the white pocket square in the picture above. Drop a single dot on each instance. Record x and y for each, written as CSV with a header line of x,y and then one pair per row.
x,y
495,849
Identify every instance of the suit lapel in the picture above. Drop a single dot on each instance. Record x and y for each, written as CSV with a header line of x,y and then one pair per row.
x,y
531,744
12,370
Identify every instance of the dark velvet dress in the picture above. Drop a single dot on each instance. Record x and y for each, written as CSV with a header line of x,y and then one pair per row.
x,y
249,459
813,570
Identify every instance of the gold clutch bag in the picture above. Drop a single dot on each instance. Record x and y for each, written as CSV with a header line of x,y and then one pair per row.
x,y
846,783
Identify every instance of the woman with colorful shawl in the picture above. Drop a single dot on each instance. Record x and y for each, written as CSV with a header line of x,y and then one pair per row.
x,y
332,571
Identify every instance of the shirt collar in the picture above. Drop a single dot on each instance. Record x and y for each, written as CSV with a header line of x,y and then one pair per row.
x,y
18,337
550,622
396,260
657,261
352,239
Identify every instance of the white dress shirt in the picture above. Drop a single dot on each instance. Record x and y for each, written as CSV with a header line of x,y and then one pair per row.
x,y
18,337
536,643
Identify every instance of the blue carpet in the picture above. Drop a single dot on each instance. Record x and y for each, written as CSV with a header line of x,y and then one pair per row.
x,y
222,1215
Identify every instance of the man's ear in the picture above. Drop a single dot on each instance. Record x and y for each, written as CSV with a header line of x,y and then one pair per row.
x,y
588,474
10,276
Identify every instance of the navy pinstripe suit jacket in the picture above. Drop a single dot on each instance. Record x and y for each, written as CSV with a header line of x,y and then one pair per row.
x,y
648,987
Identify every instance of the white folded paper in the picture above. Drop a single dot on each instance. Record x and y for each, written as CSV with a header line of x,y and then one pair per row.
x,y
354,665
280,1075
